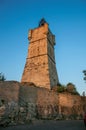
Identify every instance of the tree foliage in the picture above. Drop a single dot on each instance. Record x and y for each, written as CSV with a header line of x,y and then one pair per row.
x,y
70,88
84,71
2,77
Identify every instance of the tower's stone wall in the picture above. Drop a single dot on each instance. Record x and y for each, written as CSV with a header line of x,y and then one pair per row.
x,y
40,65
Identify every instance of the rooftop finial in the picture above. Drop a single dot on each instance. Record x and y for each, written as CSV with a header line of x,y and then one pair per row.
x,y
42,21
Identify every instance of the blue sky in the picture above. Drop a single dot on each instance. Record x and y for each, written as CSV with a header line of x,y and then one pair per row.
x,y
67,20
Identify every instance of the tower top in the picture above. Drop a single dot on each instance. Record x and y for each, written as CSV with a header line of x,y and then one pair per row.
x,y
42,22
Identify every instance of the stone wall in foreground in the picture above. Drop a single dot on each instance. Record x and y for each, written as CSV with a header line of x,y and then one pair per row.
x,y
72,105
9,90
20,103
41,101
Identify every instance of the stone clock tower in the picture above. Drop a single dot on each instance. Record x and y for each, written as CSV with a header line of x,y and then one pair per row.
x,y
40,67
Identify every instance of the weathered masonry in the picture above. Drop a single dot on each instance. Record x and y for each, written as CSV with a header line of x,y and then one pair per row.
x,y
40,67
